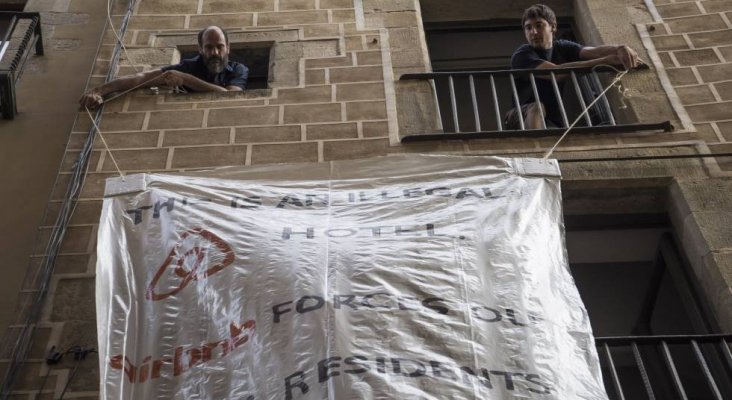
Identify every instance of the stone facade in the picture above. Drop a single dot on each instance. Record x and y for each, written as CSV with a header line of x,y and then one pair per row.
x,y
334,94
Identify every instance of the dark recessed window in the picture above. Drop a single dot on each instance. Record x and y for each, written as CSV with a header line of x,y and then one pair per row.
x,y
255,56
636,285
12,5
485,46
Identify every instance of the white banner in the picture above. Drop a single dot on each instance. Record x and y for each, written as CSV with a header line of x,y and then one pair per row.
x,y
400,277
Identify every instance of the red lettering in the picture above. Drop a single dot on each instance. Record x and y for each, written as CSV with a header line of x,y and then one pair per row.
x,y
144,370
129,368
184,358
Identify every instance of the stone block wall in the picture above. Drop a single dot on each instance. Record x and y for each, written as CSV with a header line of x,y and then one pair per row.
x,y
333,95
694,44
327,99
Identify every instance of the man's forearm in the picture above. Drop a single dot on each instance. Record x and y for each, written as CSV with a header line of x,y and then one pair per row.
x,y
128,82
624,55
608,59
590,53
200,85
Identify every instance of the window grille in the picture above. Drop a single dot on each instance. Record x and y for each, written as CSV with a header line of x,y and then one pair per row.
x,y
667,366
473,104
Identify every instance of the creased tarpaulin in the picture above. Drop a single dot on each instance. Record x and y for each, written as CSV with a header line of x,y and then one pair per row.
x,y
401,277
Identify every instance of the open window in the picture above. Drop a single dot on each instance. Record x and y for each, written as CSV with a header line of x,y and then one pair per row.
x,y
255,55
474,86
655,335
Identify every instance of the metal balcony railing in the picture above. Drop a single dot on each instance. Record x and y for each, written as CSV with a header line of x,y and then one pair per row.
x,y
667,367
11,63
473,104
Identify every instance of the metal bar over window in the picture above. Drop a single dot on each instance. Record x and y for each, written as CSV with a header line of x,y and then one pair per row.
x,y
668,359
581,98
643,372
726,352
453,103
537,100
558,93
437,102
613,372
499,119
705,369
475,103
517,102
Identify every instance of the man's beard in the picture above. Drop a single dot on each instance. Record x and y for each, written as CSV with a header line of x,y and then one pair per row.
x,y
215,64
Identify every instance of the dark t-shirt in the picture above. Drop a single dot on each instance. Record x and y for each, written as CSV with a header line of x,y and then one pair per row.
x,y
234,74
527,57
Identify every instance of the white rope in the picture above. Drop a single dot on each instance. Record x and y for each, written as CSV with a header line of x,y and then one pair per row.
x,y
130,89
119,171
620,75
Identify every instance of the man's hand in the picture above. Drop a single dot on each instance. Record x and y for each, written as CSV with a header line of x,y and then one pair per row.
x,y
91,99
627,57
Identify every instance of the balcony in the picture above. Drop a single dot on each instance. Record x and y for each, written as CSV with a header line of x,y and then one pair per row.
x,y
19,33
667,367
472,104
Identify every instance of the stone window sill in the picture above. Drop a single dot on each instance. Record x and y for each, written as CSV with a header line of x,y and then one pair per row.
x,y
211,96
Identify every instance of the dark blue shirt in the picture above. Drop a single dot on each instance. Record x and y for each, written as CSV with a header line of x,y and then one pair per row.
x,y
528,57
234,74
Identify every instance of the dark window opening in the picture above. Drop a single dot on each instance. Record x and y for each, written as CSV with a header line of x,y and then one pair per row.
x,y
479,46
635,282
12,5
475,89
256,56
488,46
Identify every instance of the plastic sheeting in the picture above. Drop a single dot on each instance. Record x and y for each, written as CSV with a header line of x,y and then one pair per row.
x,y
401,277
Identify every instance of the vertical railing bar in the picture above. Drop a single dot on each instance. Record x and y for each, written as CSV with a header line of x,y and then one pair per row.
x,y
453,102
437,105
643,372
499,120
672,368
475,103
604,99
517,102
705,369
581,99
537,99
613,372
727,354
565,120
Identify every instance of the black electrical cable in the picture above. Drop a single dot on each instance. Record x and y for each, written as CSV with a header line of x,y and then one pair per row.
x,y
70,378
80,353
43,382
80,170
641,158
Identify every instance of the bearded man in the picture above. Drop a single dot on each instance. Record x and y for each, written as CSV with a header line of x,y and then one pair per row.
x,y
209,71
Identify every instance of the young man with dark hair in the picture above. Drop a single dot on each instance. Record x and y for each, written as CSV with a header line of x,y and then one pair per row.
x,y
544,51
209,71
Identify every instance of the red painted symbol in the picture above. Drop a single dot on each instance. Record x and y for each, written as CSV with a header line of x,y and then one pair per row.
x,y
197,255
